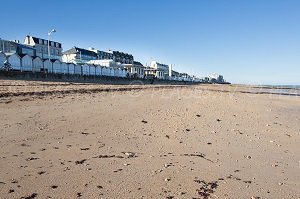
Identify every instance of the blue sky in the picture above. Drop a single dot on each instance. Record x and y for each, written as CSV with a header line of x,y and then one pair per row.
x,y
250,41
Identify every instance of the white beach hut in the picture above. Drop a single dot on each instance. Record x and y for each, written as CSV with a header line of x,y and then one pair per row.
x,y
114,72
77,69
64,68
15,61
47,66
98,70
56,66
37,64
2,59
26,63
92,69
118,72
71,69
85,69
124,73
105,71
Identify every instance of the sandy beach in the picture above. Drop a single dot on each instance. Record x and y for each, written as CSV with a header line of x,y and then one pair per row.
x,y
62,140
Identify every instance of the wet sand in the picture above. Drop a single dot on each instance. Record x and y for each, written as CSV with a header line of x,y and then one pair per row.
x,y
107,141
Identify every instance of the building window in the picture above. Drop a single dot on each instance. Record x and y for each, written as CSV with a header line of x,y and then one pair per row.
x,y
45,42
40,41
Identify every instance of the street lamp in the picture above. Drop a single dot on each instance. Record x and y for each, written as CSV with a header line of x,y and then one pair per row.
x,y
49,33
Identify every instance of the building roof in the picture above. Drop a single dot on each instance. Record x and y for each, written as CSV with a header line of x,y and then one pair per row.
x,y
23,55
10,54
76,50
36,40
137,63
54,60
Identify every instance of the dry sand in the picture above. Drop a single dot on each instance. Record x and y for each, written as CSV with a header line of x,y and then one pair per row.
x,y
94,141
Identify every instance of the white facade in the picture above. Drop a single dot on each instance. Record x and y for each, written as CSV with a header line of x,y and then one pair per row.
x,y
156,65
106,63
15,61
26,62
37,64
41,46
2,59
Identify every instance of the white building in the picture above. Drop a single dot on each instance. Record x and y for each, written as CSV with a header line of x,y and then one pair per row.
x,y
78,55
106,63
136,69
154,73
41,46
216,78
161,67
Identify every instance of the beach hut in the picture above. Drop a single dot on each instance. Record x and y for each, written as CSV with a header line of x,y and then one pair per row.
x,y
64,68
99,70
85,69
26,63
118,72
124,73
37,64
71,69
47,66
15,61
92,69
114,72
2,59
77,69
104,71
56,66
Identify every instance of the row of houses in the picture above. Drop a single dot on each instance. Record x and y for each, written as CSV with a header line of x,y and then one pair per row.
x,y
41,55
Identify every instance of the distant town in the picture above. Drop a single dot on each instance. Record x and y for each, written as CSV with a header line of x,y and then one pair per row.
x,y
38,55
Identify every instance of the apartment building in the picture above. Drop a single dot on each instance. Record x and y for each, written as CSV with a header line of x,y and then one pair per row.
x,y
41,47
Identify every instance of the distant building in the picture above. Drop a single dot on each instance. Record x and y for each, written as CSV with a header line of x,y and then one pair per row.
x,y
136,69
11,47
121,57
154,73
102,55
79,55
161,67
41,47
215,78
106,63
